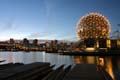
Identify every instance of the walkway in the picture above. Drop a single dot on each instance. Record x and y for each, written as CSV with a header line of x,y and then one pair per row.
x,y
84,72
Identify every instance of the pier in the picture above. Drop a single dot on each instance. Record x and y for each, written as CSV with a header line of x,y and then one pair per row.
x,y
45,71
84,72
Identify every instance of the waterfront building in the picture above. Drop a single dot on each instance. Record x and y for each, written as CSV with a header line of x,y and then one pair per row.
x,y
93,30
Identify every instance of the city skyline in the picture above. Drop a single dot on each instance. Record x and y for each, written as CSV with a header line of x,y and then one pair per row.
x,y
51,19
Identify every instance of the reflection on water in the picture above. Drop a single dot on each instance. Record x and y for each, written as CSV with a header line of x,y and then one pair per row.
x,y
101,61
111,64
109,67
24,57
105,62
84,59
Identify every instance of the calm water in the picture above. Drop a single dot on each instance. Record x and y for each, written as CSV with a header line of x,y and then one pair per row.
x,y
111,64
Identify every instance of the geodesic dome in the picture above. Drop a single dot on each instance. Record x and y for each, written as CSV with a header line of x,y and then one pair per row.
x,y
93,25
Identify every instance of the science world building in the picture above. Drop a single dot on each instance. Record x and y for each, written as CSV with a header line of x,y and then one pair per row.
x,y
93,30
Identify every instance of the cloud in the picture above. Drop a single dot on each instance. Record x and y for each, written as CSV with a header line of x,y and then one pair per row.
x,y
49,7
34,35
49,36
7,25
42,36
52,36
69,38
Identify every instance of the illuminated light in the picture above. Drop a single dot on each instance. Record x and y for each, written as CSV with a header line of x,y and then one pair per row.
x,y
90,60
101,61
103,49
93,24
109,68
97,44
77,60
118,42
108,43
90,49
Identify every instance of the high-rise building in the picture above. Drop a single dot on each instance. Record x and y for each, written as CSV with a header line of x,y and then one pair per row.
x,y
26,42
12,41
55,44
35,42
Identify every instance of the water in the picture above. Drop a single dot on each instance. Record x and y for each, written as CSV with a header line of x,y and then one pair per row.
x,y
110,63
30,57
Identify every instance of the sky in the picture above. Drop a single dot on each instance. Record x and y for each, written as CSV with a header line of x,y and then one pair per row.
x,y
51,19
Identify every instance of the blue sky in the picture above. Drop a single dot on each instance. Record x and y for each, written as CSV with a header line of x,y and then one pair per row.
x,y
51,19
